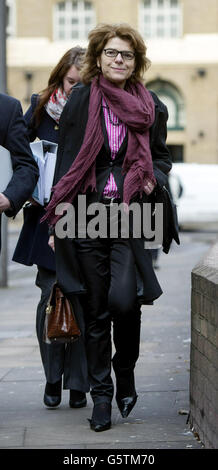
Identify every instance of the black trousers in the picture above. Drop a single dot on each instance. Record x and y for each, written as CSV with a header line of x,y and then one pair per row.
x,y
109,272
59,359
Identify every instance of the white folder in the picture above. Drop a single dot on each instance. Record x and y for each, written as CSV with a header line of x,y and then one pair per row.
x,y
6,170
45,154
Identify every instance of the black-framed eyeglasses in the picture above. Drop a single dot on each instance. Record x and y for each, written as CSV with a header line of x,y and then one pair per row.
x,y
126,55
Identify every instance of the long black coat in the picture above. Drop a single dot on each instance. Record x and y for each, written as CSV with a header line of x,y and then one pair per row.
x,y
72,130
13,136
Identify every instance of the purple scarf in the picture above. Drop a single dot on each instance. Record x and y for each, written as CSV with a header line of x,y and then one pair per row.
x,y
133,106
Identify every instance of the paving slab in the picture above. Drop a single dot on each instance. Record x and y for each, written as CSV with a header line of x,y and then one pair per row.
x,y
130,432
12,437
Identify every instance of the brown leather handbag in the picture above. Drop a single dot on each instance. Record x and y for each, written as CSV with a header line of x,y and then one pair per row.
x,y
60,323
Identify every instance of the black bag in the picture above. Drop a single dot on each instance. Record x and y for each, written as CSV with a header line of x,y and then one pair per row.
x,y
170,218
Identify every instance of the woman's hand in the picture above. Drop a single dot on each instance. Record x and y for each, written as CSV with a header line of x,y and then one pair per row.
x,y
51,242
149,187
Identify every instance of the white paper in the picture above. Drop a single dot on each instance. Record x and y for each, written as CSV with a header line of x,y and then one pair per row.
x,y
6,170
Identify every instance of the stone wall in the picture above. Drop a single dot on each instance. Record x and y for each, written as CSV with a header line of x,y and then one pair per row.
x,y
204,349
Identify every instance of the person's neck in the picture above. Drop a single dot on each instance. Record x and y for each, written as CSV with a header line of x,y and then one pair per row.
x,y
118,85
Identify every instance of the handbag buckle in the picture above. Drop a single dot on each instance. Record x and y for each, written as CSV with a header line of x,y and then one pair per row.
x,y
48,309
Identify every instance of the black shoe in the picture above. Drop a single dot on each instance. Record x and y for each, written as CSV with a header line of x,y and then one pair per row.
x,y
52,395
126,404
77,399
101,417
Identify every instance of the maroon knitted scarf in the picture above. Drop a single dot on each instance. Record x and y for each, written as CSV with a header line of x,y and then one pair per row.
x,y
135,107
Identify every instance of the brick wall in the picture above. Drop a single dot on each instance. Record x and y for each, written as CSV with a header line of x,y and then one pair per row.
x,y
204,349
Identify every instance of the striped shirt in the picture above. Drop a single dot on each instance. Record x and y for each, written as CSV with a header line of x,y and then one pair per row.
x,y
116,135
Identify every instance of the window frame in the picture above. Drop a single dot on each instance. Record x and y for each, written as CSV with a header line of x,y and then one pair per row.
x,y
166,11
164,88
81,15
11,26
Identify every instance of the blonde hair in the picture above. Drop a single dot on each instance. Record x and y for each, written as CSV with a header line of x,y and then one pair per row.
x,y
99,36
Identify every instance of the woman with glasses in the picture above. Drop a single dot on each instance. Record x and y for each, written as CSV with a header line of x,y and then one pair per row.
x,y
62,363
112,149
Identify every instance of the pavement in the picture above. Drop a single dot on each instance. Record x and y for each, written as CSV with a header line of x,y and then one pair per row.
x,y
159,418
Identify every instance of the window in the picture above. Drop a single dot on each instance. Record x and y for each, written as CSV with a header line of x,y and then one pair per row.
x,y
10,18
73,19
160,18
174,101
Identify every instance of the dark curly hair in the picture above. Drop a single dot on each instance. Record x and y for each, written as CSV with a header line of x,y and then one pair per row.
x,y
99,36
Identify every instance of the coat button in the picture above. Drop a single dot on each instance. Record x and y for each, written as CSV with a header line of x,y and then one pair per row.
x,y
111,163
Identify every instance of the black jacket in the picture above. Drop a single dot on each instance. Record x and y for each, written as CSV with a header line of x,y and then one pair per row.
x,y
32,246
13,136
72,129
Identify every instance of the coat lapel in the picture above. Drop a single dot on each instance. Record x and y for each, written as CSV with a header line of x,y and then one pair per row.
x,y
104,130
